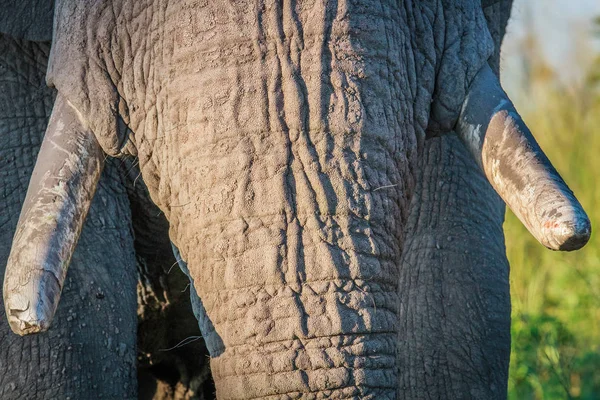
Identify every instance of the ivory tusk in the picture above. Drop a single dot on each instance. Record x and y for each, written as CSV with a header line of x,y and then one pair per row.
x,y
58,198
518,169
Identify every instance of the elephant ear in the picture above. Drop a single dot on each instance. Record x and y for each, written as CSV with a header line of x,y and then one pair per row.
x,y
27,19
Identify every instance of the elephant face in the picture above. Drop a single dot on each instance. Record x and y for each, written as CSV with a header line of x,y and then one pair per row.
x,y
280,141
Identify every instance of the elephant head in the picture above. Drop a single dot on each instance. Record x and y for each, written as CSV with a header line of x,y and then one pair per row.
x,y
280,142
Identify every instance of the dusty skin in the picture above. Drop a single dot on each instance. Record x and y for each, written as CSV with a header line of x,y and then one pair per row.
x,y
280,141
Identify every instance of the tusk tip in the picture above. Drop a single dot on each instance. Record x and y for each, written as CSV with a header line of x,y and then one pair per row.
x,y
24,328
30,307
568,235
25,323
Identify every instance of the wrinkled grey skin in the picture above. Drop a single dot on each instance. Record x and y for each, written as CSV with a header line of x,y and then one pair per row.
x,y
440,215
91,351
27,20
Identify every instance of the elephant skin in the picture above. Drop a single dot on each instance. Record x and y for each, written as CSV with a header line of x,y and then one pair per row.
x,y
28,20
280,142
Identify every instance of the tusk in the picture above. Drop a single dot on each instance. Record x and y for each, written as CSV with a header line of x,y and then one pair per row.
x,y
517,168
58,198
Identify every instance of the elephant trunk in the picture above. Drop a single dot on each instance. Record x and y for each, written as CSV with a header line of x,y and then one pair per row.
x,y
313,326
286,343
60,192
518,169
294,257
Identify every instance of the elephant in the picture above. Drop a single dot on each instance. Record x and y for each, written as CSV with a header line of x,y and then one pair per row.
x,y
104,328
284,144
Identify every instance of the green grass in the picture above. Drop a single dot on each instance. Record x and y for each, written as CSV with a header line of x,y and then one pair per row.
x,y
556,296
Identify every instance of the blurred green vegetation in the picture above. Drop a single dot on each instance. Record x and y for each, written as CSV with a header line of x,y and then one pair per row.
x,y
556,296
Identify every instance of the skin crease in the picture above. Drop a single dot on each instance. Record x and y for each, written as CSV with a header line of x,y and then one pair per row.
x,y
455,256
298,145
